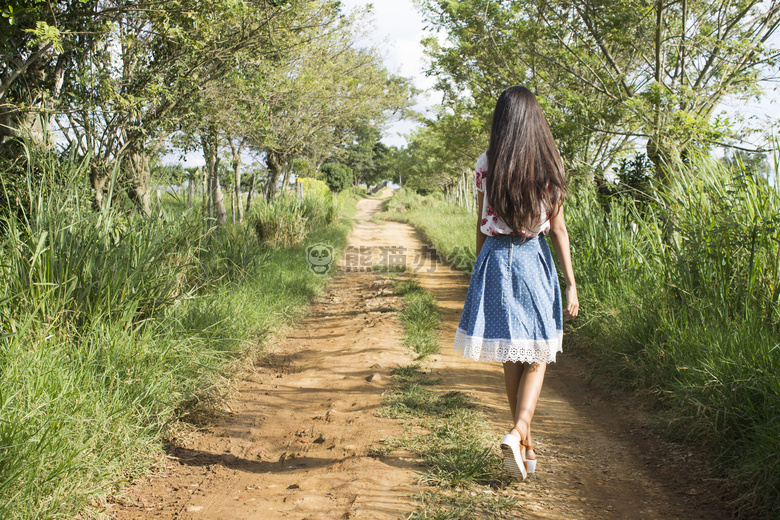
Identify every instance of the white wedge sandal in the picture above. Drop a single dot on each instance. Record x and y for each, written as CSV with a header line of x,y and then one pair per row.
x,y
511,447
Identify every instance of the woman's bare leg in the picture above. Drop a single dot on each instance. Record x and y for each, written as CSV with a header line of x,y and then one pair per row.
x,y
523,386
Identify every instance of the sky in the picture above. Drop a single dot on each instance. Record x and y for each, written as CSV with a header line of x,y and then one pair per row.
x,y
397,33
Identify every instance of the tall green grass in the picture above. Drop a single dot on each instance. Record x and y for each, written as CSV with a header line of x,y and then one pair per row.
x,y
680,299
114,327
285,220
421,319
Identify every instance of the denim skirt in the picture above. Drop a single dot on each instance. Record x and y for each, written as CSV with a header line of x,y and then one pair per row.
x,y
513,309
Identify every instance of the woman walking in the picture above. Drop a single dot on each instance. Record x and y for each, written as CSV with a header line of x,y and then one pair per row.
x,y
513,311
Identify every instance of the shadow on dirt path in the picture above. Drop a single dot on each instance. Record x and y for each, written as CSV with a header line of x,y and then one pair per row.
x,y
296,441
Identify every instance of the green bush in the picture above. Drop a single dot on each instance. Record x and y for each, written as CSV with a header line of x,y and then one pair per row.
x,y
311,187
285,220
338,176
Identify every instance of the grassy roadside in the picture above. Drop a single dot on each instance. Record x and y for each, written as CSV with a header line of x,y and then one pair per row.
x,y
449,228
465,474
114,329
680,299
421,319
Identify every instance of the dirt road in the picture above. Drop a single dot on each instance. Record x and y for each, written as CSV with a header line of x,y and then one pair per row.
x,y
295,442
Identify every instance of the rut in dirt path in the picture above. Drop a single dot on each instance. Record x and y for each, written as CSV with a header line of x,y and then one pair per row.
x,y
296,441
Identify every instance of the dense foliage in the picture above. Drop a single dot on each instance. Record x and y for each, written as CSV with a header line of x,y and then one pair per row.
x,y
611,76
338,176
119,83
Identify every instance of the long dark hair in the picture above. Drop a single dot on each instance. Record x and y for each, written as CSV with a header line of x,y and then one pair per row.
x,y
525,170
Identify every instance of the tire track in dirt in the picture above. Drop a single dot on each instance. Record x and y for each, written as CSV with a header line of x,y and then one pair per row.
x,y
296,438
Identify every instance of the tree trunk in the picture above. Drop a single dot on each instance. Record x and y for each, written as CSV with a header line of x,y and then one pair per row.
x,y
237,176
210,142
251,191
238,213
274,169
56,89
286,180
6,128
206,202
99,178
661,159
233,205
217,197
135,168
33,120
190,191
22,123
219,202
469,193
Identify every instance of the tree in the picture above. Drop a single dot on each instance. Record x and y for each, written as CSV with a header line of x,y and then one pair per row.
x,y
365,154
621,70
255,170
234,109
482,57
754,163
323,94
40,45
213,198
153,68
236,149
337,176
40,42
423,162
121,77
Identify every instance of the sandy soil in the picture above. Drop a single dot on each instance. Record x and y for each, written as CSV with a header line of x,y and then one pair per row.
x,y
295,440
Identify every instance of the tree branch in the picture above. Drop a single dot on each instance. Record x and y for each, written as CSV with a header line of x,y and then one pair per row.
x,y
34,57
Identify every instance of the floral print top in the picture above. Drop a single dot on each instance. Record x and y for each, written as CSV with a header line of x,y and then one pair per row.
x,y
490,223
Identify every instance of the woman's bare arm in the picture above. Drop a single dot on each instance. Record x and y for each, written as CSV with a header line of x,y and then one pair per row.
x,y
480,234
560,239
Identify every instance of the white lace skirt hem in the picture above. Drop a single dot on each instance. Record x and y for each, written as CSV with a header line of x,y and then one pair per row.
x,y
503,350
